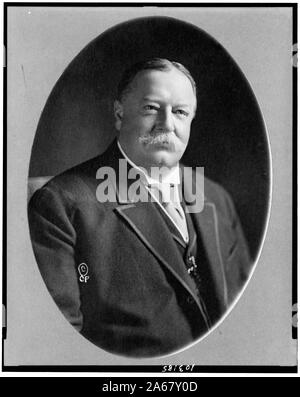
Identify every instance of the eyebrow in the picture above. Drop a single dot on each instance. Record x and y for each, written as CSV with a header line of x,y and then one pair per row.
x,y
147,98
158,101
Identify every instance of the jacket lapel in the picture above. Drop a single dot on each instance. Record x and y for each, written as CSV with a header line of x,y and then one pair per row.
x,y
145,220
207,226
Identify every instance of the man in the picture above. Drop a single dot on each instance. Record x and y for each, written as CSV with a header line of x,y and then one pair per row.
x,y
140,277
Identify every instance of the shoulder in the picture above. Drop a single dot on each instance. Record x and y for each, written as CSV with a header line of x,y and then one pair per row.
x,y
80,181
216,195
72,182
214,191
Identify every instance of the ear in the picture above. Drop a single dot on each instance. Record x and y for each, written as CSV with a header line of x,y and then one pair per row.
x,y
118,112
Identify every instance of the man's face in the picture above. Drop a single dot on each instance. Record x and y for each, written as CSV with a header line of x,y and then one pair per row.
x,y
154,117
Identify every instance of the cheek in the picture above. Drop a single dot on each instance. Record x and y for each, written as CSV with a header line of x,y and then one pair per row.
x,y
183,132
135,124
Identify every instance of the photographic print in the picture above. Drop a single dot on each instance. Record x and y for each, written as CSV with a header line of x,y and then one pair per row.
x,y
152,151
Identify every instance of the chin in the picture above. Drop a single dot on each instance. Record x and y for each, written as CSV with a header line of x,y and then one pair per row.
x,y
164,159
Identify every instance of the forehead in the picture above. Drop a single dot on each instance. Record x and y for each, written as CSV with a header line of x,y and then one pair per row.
x,y
162,84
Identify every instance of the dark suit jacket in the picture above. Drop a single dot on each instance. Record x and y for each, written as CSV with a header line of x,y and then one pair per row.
x,y
139,299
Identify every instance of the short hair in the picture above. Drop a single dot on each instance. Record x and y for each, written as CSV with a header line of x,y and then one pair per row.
x,y
152,64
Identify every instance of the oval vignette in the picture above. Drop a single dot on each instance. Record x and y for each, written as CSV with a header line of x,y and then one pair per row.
x,y
228,124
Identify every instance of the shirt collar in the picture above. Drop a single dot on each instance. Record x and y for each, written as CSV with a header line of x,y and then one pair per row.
x,y
173,177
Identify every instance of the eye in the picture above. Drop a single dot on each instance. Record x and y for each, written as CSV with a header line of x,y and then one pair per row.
x,y
150,108
181,112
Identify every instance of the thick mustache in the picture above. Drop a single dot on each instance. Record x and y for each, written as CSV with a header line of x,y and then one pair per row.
x,y
156,137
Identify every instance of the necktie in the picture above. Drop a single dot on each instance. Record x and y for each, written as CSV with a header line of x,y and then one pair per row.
x,y
166,196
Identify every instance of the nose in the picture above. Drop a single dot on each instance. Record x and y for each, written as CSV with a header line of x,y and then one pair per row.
x,y
165,120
